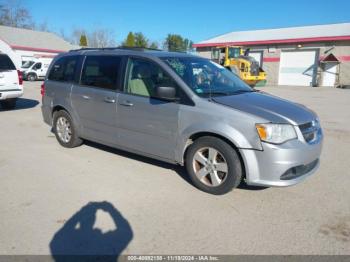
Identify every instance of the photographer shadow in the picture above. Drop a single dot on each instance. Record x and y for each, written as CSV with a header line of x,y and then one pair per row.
x,y
78,240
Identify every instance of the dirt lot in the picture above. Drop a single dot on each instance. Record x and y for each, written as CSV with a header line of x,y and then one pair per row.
x,y
45,190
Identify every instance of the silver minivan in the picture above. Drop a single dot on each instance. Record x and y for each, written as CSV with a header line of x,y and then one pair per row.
x,y
181,109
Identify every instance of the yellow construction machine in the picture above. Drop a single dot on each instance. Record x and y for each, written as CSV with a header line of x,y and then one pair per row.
x,y
238,61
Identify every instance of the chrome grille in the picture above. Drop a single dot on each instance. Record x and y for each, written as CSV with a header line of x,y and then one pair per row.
x,y
310,131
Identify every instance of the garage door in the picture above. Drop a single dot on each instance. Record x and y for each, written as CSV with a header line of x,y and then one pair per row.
x,y
297,68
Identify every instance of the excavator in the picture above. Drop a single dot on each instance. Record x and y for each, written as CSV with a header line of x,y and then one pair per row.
x,y
239,62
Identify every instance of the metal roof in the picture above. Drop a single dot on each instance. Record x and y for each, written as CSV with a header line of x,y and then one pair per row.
x,y
330,32
25,39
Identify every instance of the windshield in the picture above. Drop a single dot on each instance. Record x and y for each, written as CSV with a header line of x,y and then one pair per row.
x,y
27,64
207,78
234,52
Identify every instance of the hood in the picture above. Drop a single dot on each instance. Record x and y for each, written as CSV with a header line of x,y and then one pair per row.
x,y
269,107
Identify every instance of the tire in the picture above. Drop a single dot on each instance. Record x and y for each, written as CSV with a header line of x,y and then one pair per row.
x,y
66,137
8,104
214,179
32,77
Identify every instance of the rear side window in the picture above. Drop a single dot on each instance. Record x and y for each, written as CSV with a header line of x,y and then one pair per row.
x,y
64,69
6,63
101,71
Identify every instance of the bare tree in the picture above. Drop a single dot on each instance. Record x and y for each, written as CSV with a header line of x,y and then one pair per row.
x,y
75,35
44,27
12,13
101,38
62,34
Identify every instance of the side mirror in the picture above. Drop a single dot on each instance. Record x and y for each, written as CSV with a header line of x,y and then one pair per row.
x,y
166,93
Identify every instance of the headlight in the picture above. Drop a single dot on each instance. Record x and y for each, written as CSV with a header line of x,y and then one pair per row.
x,y
276,133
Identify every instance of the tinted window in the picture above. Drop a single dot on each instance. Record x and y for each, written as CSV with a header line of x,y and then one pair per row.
x,y
6,63
144,76
37,66
101,71
64,69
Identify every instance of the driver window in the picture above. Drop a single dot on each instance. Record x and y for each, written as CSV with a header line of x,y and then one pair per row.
x,y
38,66
144,77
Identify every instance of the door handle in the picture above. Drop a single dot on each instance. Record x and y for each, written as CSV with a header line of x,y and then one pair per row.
x,y
109,100
126,103
85,97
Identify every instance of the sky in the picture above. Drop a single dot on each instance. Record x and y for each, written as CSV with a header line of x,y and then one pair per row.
x,y
193,19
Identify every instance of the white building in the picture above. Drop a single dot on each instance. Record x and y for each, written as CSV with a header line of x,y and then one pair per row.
x,y
24,44
316,55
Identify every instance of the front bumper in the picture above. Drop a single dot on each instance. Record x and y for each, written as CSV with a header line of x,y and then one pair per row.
x,y
282,165
10,93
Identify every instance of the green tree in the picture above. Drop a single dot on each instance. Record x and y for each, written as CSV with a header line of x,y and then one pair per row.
x,y
130,40
140,40
83,40
154,45
175,43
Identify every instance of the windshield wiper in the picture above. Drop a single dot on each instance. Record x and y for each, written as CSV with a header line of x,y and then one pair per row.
x,y
244,91
217,93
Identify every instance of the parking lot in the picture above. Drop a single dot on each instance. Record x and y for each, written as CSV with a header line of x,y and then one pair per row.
x,y
45,189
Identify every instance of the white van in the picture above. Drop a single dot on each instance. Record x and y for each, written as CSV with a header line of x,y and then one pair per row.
x,y
35,69
11,83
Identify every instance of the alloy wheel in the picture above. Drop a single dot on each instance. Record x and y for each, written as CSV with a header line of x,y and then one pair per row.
x,y
210,166
63,129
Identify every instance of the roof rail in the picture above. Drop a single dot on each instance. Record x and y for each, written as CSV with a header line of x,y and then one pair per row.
x,y
115,48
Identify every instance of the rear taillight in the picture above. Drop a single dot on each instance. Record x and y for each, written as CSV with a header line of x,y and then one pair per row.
x,y
20,77
42,89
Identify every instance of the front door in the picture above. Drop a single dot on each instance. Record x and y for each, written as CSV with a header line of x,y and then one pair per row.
x,y
329,75
95,99
38,68
147,124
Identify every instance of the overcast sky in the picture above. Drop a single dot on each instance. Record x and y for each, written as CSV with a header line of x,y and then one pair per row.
x,y
194,19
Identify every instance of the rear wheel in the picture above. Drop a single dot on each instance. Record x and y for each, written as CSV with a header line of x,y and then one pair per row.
x,y
31,77
213,165
65,130
8,103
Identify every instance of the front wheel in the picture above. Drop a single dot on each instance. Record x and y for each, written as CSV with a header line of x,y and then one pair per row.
x,y
65,131
213,165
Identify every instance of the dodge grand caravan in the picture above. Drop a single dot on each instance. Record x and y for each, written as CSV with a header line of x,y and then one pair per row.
x,y
181,109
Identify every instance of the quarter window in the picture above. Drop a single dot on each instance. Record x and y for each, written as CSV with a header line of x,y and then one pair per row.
x,y
144,77
101,71
64,69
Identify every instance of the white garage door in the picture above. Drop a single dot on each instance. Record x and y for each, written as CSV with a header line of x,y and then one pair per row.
x,y
297,68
